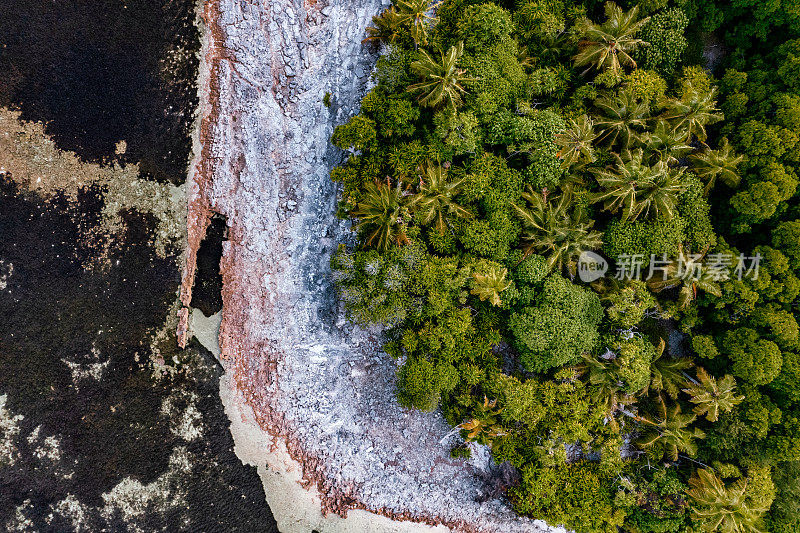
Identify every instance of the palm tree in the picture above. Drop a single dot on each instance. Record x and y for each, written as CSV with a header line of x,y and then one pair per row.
x,y
435,200
575,144
414,15
667,373
637,188
668,144
380,215
552,47
712,395
489,286
668,434
720,163
609,45
484,427
385,27
442,79
677,275
693,112
724,509
605,386
621,117
408,14
554,231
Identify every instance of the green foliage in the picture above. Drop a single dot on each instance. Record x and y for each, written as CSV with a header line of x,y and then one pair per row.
x,y
622,117
401,21
491,237
656,503
373,288
786,387
394,116
484,25
488,284
646,85
695,110
578,495
460,452
667,374
786,238
503,140
626,365
657,237
420,383
784,515
629,304
712,164
575,144
552,409
664,32
457,133
393,69
704,346
557,330
755,359
434,202
358,134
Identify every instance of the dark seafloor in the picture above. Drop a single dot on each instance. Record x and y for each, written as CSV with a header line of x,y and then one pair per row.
x,y
139,448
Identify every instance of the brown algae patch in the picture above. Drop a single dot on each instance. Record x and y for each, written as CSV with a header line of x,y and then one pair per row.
x,y
34,162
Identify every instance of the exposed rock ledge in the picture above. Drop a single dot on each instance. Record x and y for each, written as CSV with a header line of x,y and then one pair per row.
x,y
317,393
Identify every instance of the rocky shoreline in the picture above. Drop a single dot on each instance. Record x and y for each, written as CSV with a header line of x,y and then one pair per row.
x,y
299,380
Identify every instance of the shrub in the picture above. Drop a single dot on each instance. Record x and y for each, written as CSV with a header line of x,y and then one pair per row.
x,y
577,496
755,359
561,327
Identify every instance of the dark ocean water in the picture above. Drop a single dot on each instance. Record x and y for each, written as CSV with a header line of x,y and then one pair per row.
x,y
101,71
95,72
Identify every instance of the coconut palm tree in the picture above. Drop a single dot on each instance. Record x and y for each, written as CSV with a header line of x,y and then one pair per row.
x,y
413,14
605,386
678,275
710,165
379,214
712,395
441,79
553,230
638,188
669,145
621,118
552,47
724,509
386,27
693,112
575,144
667,433
609,45
488,286
667,373
435,200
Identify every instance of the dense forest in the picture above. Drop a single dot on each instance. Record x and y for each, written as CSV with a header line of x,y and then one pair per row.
x,y
509,153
